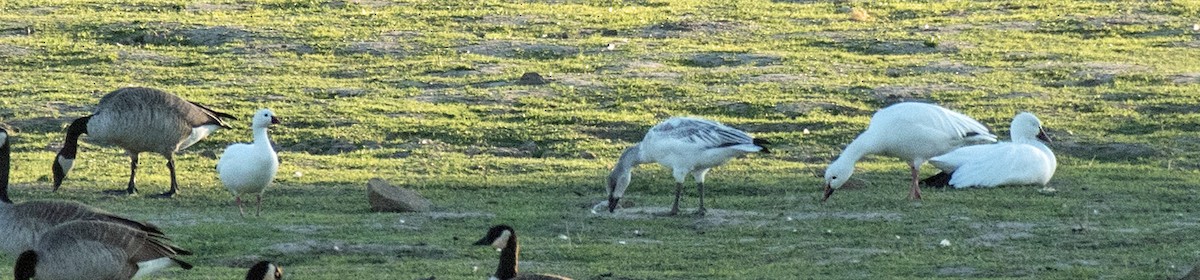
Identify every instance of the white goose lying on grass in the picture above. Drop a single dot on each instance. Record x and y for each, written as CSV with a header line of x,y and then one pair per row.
x,y
249,168
1024,161
913,132
685,145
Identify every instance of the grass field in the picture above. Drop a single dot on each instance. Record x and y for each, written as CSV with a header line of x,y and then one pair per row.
x,y
427,94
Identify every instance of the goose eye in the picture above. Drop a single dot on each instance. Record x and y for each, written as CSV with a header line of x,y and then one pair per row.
x,y
834,177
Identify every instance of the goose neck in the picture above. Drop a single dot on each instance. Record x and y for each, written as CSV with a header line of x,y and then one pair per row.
x,y
260,136
508,259
5,164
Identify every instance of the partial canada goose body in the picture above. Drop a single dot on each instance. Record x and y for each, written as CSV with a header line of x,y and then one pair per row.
x,y
1024,161
265,270
913,132
21,224
249,168
504,238
687,146
140,120
97,250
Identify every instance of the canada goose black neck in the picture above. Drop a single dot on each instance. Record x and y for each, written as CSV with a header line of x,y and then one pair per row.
x,y
69,149
503,235
26,266
5,158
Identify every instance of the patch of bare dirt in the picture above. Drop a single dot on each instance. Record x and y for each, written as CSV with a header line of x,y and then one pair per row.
x,y
170,33
397,44
718,59
7,50
937,67
1118,152
212,7
839,255
712,217
1183,79
340,247
857,216
139,55
994,234
779,78
897,93
689,28
518,49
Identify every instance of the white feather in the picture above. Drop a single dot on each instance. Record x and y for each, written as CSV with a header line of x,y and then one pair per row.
x,y
151,266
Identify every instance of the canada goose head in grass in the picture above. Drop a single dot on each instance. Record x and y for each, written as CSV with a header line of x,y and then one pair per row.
x,y
265,270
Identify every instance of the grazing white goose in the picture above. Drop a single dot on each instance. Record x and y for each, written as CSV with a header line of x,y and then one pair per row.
x,y
686,145
503,237
21,224
265,270
911,131
249,168
140,120
90,249
1024,161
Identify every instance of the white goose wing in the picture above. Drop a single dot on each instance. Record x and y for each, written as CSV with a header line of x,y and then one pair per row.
x,y
996,165
699,133
934,118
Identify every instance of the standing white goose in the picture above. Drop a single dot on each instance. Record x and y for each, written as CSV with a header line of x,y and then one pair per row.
x,y
140,120
21,224
1024,161
686,145
249,168
503,237
913,132
90,249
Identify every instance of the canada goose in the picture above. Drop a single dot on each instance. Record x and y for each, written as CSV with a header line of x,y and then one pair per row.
x,y
22,223
97,250
1024,161
265,270
686,145
913,132
249,168
503,237
140,120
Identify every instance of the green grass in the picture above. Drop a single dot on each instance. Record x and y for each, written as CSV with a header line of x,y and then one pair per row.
x,y
424,94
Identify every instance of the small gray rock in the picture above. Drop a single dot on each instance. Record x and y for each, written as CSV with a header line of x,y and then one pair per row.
x,y
386,198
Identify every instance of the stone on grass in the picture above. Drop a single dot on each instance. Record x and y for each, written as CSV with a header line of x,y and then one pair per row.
x,y
386,198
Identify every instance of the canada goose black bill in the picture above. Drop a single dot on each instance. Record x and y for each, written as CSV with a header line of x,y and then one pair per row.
x,y
140,120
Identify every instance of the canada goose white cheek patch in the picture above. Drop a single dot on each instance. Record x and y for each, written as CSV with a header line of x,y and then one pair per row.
x,y
66,163
502,241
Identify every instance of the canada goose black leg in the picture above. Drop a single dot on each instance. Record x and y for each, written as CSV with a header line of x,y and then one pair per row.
x,y
258,205
174,184
701,211
131,188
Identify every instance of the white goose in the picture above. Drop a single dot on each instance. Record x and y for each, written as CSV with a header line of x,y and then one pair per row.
x,y
913,132
686,145
249,168
1024,161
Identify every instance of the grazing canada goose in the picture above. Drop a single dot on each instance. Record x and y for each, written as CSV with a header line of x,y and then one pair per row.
x,y
504,238
1024,161
686,145
22,223
265,270
140,120
97,250
913,132
249,168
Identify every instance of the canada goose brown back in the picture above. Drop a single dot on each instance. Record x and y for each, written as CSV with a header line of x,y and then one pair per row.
x,y
265,270
140,120
22,223
504,238
97,250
